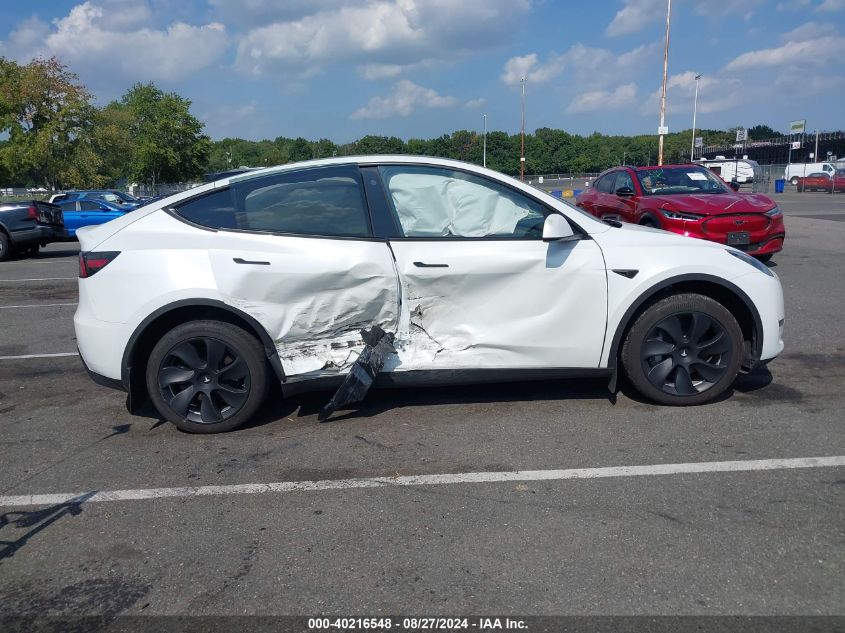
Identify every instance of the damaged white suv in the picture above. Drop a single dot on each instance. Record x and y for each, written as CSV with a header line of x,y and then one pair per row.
x,y
199,300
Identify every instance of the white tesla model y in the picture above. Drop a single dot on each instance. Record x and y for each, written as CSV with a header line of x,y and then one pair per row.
x,y
197,301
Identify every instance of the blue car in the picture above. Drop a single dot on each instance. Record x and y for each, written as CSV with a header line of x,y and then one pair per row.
x,y
79,213
114,196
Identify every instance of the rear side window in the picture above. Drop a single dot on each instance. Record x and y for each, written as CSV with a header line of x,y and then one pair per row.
x,y
214,210
86,205
605,183
325,202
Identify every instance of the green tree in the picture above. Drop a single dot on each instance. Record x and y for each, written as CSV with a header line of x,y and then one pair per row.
x,y
168,143
48,116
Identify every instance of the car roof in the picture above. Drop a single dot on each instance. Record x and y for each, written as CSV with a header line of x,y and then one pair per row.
x,y
653,167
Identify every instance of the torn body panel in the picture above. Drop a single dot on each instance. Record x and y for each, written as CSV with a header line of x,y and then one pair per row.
x,y
499,304
313,297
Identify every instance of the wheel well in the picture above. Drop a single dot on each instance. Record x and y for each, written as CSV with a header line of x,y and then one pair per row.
x,y
148,334
735,304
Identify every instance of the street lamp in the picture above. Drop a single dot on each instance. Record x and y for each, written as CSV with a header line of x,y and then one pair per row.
x,y
484,137
662,129
522,145
694,110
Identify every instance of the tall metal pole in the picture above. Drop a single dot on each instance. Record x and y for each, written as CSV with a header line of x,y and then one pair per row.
x,y
484,136
663,94
816,153
694,110
522,147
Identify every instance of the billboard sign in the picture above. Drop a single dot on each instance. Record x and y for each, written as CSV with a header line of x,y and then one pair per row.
x,y
797,127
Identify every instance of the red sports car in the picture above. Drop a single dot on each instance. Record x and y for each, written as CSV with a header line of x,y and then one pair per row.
x,y
820,181
689,200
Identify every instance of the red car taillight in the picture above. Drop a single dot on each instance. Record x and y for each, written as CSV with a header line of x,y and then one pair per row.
x,y
91,263
32,212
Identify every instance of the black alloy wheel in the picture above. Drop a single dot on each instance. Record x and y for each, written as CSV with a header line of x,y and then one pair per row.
x,y
686,354
685,349
203,380
207,376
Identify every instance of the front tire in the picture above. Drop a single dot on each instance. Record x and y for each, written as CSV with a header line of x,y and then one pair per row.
x,y
684,350
207,376
794,180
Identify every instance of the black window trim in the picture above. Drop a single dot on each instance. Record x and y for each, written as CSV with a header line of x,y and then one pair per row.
x,y
577,229
173,210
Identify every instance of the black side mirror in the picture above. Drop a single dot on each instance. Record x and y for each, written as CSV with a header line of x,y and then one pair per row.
x,y
734,185
624,192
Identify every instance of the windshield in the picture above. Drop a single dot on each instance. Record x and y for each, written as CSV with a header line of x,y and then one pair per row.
x,y
679,180
125,196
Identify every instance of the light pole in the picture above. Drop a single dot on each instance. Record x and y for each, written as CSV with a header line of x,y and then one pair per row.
x,y
484,137
663,95
694,110
522,145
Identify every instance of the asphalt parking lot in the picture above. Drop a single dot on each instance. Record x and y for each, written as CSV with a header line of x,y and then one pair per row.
x,y
757,538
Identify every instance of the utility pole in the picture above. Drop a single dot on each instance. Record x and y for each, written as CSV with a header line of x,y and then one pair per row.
x,y
694,110
484,136
663,94
816,153
522,150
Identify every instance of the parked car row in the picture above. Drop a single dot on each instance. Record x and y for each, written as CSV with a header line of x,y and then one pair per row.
x,y
26,226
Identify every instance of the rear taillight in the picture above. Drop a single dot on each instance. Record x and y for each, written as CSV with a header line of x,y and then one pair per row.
x,y
32,212
91,262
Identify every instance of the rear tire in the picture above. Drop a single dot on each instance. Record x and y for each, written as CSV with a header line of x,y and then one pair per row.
x,y
207,376
684,350
794,180
764,258
5,247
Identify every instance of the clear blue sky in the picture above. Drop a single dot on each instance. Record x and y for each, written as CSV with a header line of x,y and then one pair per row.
x,y
421,68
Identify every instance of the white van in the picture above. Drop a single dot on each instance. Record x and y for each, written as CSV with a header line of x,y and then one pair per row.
x,y
794,171
742,170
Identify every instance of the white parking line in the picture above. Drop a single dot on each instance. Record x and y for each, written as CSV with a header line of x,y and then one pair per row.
x,y
38,305
42,279
425,480
24,356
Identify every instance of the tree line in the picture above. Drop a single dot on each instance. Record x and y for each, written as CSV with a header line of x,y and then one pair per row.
x,y
53,135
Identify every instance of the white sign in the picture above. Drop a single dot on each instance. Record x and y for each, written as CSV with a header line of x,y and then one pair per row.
x,y
797,127
796,144
699,141
812,155
741,135
663,129
695,175
540,180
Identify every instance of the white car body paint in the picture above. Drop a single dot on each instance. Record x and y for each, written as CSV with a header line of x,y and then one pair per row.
x,y
499,304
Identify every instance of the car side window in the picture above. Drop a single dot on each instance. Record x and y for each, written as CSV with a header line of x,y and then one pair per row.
x,y
623,179
605,183
86,205
214,210
326,201
441,202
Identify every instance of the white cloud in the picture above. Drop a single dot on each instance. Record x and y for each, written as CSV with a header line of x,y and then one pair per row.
x,y
598,66
474,104
382,71
405,97
814,52
807,31
90,40
792,6
378,32
716,94
829,6
527,66
623,96
635,15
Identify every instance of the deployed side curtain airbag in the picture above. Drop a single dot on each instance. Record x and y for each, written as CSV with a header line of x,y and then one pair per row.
x,y
439,204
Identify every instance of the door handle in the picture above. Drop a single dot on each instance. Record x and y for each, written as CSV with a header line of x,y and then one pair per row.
x,y
424,265
240,260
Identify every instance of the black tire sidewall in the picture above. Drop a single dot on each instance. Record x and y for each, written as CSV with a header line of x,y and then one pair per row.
x,y
678,304
247,346
5,247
